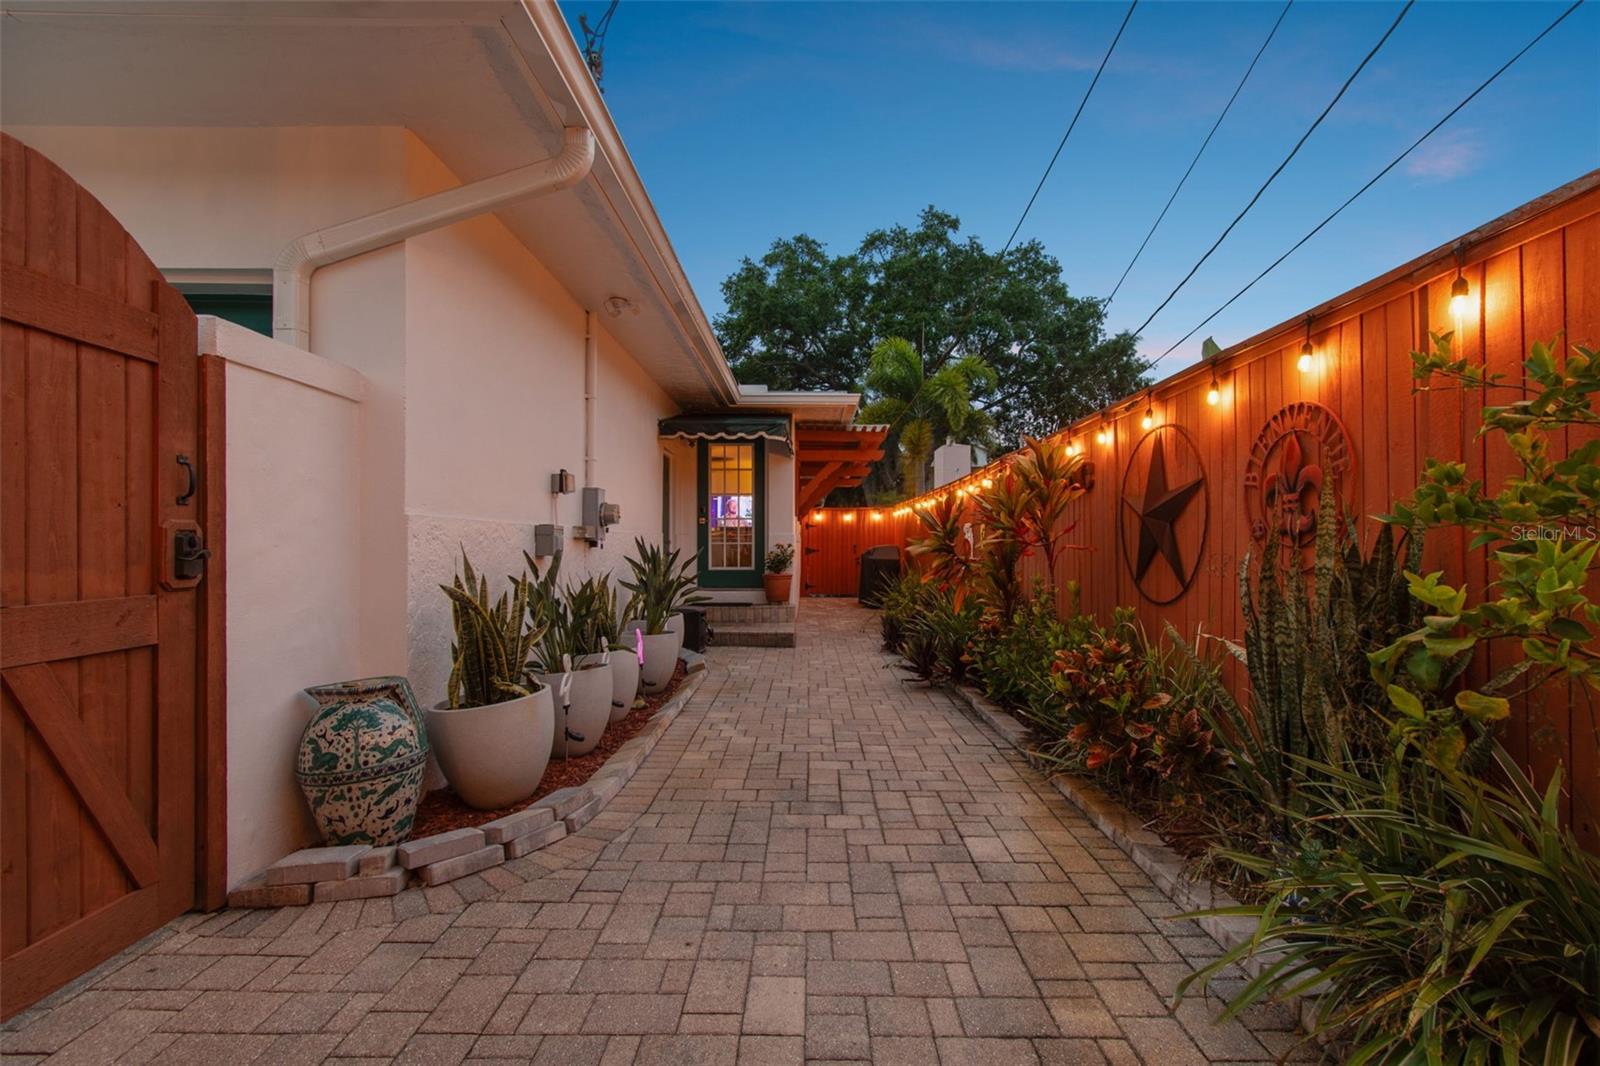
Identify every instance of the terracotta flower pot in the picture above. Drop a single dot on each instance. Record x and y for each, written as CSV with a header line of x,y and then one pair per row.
x,y
494,756
777,586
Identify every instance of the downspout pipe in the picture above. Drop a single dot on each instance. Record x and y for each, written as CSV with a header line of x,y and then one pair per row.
x,y
591,378
291,275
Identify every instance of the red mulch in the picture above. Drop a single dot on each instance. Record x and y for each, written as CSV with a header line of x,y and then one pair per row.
x,y
441,810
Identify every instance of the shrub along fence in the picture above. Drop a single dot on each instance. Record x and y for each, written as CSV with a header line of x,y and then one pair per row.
x,y
1186,475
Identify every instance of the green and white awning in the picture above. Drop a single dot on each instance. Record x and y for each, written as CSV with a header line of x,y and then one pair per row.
x,y
773,428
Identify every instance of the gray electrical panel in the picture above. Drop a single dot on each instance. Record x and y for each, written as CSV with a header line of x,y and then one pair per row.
x,y
597,515
548,540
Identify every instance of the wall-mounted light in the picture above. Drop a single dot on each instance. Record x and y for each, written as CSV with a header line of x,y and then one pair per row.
x,y
1306,351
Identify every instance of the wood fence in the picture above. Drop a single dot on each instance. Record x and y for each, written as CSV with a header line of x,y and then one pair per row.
x,y
1532,275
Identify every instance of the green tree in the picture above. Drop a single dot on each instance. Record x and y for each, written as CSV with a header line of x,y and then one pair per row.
x,y
923,407
801,317
796,318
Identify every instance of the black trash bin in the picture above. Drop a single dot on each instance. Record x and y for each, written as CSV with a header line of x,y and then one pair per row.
x,y
695,632
880,568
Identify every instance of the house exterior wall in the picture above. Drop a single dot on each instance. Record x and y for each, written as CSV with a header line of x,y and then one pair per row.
x,y
345,517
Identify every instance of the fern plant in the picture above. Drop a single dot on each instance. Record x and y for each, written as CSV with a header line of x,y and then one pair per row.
x,y
493,643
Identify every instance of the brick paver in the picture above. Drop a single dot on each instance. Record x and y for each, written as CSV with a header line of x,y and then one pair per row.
x,y
819,862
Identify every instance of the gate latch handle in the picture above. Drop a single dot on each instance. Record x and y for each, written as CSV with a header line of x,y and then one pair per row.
x,y
187,494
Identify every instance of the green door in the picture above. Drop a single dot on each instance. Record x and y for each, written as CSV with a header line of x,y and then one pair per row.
x,y
733,505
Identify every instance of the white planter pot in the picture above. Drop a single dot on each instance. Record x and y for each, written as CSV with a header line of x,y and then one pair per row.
x,y
660,660
624,680
494,756
588,710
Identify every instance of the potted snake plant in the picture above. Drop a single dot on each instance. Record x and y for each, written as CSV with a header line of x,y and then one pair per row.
x,y
571,657
662,585
492,733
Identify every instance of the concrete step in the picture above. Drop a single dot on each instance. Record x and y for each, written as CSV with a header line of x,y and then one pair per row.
x,y
748,613
752,634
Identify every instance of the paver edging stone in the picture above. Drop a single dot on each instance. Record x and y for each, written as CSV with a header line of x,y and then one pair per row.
x,y
512,836
1160,863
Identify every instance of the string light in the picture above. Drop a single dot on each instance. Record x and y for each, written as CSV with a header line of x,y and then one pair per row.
x,y
1104,434
1149,419
1072,446
987,483
1460,291
849,516
877,516
1306,351
818,516
1214,393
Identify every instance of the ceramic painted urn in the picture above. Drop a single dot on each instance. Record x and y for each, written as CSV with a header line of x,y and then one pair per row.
x,y
361,761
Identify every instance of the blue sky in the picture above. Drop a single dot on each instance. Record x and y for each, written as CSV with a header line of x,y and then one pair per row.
x,y
753,121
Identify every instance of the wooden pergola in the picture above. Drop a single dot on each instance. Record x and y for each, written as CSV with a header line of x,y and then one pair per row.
x,y
829,457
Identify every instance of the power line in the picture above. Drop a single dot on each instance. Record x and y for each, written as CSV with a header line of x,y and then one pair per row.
x,y
1203,144
972,308
1375,178
1070,127
1279,169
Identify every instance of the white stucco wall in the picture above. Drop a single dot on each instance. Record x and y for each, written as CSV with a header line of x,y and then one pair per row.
x,y
494,381
293,567
344,518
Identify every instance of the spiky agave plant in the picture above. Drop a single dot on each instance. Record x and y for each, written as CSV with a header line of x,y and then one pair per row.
x,y
493,643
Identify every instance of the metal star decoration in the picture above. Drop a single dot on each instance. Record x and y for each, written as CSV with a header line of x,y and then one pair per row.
x,y
1158,513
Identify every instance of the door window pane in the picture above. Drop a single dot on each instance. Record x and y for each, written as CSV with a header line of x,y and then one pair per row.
x,y
730,506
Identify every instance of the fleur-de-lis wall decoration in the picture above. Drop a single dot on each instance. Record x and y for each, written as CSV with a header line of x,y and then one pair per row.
x,y
1291,492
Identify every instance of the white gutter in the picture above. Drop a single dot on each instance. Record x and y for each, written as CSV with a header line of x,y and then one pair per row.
x,y
291,276
591,376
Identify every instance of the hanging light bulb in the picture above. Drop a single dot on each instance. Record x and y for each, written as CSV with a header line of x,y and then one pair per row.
x,y
988,483
1306,351
1214,393
849,516
1103,435
1149,419
1072,446
1460,298
818,516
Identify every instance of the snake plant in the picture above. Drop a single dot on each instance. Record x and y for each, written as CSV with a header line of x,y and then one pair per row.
x,y
493,641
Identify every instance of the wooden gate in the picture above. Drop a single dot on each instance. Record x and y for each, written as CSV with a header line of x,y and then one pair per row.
x,y
98,624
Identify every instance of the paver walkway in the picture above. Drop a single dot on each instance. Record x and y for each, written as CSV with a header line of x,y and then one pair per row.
x,y
817,863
